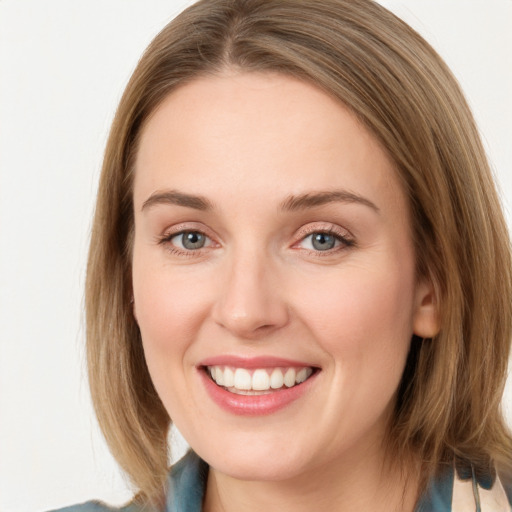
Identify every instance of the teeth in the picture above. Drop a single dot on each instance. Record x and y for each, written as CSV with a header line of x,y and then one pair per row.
x,y
302,375
261,379
219,376
229,377
289,378
243,379
276,379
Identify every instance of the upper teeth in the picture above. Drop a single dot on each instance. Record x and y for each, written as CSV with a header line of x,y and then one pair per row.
x,y
261,379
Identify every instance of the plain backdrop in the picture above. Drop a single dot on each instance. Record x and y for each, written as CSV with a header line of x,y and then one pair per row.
x,y
63,67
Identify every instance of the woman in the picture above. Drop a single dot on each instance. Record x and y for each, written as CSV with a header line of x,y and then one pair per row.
x,y
298,255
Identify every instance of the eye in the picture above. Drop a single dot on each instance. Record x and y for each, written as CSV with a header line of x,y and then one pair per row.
x,y
189,240
324,241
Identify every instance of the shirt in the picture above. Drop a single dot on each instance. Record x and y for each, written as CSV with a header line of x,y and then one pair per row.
x,y
448,493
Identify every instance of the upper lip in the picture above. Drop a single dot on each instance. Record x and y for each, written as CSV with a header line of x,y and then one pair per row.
x,y
253,362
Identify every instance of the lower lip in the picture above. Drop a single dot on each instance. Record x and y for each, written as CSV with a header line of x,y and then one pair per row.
x,y
254,405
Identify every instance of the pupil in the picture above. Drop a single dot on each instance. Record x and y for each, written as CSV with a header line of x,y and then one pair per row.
x,y
193,240
323,241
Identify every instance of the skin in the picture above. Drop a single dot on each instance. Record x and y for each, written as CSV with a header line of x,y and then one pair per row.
x,y
246,142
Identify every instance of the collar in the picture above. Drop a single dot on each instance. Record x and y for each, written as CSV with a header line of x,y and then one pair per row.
x,y
187,484
450,492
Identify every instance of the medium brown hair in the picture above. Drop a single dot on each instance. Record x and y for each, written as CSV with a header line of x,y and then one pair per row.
x,y
448,403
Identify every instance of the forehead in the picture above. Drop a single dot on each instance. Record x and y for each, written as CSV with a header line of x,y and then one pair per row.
x,y
269,131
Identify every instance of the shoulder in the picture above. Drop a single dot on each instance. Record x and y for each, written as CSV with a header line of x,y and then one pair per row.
x,y
98,506
507,488
456,491
186,486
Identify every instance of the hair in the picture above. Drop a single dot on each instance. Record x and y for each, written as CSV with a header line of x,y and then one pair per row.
x,y
448,404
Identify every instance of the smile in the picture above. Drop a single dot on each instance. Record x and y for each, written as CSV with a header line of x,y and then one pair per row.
x,y
244,381
256,386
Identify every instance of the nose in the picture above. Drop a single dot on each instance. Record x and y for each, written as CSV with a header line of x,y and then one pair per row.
x,y
250,303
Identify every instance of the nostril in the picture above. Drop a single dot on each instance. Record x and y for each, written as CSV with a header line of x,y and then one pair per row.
x,y
250,325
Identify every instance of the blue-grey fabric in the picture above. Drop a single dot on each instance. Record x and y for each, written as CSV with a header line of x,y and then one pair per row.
x,y
438,496
187,483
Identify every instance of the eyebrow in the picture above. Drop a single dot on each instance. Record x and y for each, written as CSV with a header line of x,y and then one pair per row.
x,y
173,197
290,204
310,200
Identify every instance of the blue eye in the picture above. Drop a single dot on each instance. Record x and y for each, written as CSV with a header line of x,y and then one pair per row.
x,y
190,240
322,241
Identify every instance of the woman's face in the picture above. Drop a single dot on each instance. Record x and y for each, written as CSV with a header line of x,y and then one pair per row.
x,y
272,244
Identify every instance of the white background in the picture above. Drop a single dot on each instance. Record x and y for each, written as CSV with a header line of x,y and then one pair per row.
x,y
63,67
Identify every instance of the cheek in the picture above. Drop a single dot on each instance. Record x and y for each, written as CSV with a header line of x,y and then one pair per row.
x,y
364,325
168,307
363,319
170,312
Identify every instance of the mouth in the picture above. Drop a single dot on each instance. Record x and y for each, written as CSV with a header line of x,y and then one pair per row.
x,y
256,386
258,381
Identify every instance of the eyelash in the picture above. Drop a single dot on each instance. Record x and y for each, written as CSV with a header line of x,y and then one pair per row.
x,y
165,240
345,241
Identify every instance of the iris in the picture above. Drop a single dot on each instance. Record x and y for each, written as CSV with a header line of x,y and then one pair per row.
x,y
323,241
192,240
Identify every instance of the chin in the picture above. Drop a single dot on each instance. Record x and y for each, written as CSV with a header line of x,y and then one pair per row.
x,y
258,461
258,470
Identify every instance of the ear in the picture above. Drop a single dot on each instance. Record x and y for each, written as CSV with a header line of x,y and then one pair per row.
x,y
426,318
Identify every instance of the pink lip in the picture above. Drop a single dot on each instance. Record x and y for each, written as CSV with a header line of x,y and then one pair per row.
x,y
252,362
254,405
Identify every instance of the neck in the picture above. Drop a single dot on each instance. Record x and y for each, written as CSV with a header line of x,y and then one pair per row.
x,y
347,485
